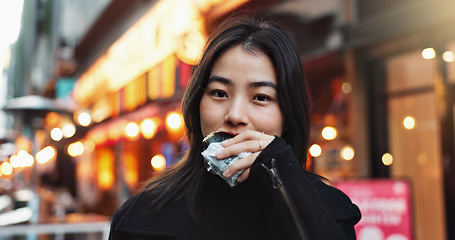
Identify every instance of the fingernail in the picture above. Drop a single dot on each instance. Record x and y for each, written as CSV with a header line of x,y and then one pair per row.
x,y
219,155
227,173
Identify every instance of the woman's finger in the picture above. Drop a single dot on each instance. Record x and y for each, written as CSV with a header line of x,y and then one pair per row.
x,y
244,176
245,144
244,136
243,163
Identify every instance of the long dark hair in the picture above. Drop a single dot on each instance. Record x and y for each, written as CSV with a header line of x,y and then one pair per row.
x,y
254,35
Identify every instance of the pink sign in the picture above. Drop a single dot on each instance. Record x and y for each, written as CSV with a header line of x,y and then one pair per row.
x,y
385,206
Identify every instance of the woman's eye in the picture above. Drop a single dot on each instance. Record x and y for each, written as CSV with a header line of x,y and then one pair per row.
x,y
261,98
219,93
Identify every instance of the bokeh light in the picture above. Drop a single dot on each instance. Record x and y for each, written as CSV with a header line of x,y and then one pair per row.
x,y
84,119
132,130
315,150
45,154
387,159
329,133
409,122
25,159
346,88
75,149
174,121
6,168
448,56
56,134
158,162
347,153
148,128
428,53
68,130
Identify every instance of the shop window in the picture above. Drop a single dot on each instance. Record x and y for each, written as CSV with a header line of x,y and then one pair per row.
x,y
409,71
415,138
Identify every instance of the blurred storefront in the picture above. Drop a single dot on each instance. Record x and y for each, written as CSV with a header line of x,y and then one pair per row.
x,y
404,56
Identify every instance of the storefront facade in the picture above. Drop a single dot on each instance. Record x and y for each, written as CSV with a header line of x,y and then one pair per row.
x,y
404,55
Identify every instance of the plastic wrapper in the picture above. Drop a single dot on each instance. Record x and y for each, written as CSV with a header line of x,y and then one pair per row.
x,y
212,143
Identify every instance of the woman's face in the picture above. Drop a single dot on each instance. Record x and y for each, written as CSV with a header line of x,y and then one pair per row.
x,y
241,95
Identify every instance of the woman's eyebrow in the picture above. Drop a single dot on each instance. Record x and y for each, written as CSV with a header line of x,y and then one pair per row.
x,y
255,84
263,84
216,78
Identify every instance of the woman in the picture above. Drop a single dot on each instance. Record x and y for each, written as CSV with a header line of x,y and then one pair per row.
x,y
249,85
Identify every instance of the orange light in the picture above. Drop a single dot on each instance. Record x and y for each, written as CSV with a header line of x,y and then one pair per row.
x,y
76,149
14,160
315,150
84,119
329,133
45,155
68,130
130,170
347,153
25,159
57,134
105,169
6,168
174,121
428,53
387,159
131,130
148,128
409,122
158,162
174,126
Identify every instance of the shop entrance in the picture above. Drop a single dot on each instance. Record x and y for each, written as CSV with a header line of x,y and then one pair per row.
x,y
414,138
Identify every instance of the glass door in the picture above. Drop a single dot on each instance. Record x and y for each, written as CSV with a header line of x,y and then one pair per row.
x,y
414,135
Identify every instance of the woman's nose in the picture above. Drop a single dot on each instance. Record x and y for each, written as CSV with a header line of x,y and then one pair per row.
x,y
237,113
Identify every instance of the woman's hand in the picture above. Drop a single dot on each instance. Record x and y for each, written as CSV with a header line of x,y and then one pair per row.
x,y
248,141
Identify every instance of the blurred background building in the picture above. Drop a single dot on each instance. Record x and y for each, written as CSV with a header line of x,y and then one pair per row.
x,y
90,92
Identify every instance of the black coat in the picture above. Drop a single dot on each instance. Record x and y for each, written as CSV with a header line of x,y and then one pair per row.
x,y
262,207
